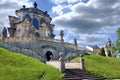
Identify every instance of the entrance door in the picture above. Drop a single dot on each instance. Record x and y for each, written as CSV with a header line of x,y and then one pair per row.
x,y
49,55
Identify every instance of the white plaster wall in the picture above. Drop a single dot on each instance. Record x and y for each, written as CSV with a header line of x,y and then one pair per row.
x,y
74,65
57,64
89,48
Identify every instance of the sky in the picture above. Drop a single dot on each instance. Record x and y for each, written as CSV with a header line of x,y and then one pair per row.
x,y
91,22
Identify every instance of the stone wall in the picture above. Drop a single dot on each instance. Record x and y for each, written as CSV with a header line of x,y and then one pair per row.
x,y
39,48
25,51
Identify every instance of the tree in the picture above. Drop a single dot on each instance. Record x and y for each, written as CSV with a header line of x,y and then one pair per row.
x,y
118,40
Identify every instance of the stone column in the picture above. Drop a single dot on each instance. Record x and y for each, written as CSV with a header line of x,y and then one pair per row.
x,y
61,36
62,66
82,64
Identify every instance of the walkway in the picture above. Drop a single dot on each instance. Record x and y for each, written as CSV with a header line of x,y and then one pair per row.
x,y
77,74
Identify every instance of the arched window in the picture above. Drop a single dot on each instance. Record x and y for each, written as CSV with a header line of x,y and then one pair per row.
x,y
35,23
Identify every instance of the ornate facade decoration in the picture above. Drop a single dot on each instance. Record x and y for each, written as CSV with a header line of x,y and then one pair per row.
x,y
31,22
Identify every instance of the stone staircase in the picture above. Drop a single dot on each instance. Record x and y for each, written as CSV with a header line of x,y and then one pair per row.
x,y
77,74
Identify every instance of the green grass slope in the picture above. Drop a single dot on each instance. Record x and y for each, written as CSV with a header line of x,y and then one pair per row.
x,y
103,66
15,66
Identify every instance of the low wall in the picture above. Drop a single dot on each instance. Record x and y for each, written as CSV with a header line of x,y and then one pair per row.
x,y
57,64
72,65
75,65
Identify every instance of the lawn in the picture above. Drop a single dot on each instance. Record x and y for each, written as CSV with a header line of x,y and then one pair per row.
x,y
106,67
15,66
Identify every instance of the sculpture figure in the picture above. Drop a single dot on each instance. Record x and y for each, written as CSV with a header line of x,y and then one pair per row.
x,y
108,44
60,55
61,35
107,48
35,5
4,33
75,42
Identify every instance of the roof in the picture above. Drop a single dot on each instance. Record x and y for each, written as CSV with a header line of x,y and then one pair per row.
x,y
95,46
33,10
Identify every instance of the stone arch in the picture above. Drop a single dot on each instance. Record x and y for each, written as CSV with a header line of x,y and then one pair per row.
x,y
49,55
55,48
52,49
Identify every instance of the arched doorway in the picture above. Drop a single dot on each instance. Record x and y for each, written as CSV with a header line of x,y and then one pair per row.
x,y
49,55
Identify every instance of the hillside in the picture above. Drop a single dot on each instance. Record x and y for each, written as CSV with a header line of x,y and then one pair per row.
x,y
103,66
15,66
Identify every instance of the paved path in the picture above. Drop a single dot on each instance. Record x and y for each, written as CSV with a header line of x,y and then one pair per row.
x,y
77,74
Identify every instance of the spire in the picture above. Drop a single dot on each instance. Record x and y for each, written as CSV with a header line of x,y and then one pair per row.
x,y
35,5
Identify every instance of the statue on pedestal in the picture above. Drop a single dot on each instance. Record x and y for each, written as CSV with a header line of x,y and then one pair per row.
x,y
108,44
4,33
60,56
75,42
35,5
61,35
107,48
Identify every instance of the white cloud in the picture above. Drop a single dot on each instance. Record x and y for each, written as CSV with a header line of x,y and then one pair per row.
x,y
8,7
72,1
59,9
84,14
58,1
93,21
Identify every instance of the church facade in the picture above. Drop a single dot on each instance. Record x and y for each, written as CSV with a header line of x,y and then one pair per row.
x,y
31,21
31,33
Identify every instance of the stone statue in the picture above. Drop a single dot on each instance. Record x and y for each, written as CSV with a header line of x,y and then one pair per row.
x,y
60,55
24,6
35,5
51,57
61,35
75,42
107,48
4,33
108,44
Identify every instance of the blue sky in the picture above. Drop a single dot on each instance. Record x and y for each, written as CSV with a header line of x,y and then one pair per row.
x,y
91,22
44,5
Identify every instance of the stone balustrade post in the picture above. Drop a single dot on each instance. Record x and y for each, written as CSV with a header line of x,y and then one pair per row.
x,y
82,64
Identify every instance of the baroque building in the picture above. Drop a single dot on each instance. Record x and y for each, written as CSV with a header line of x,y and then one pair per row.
x,y
31,33
31,22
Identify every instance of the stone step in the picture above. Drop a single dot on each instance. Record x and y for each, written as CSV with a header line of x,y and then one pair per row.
x,y
77,74
81,78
